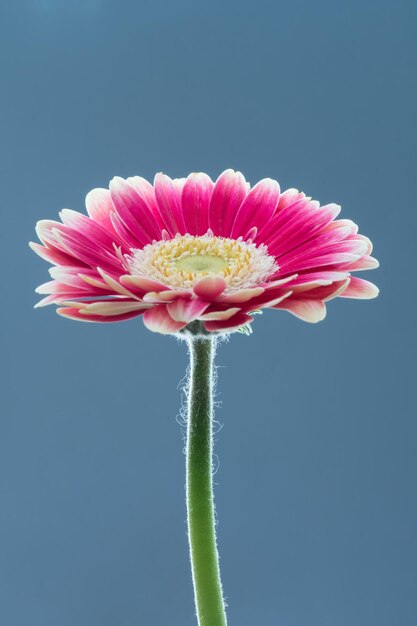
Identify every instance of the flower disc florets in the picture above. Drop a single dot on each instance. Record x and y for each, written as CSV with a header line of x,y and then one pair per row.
x,y
181,261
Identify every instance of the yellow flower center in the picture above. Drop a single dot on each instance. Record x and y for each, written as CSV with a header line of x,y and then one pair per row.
x,y
181,261
201,263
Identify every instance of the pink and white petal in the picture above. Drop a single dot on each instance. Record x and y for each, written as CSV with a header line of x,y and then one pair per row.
x,y
209,287
221,314
267,304
311,311
44,229
145,190
125,235
257,208
134,211
308,286
280,281
367,242
158,320
51,299
115,285
340,288
324,292
244,295
169,295
94,282
251,234
69,277
268,299
179,183
228,194
75,314
107,307
350,227
309,280
300,230
327,260
289,196
230,325
195,202
89,228
282,218
304,257
75,244
186,310
141,283
55,256
53,286
360,288
364,263
168,199
99,207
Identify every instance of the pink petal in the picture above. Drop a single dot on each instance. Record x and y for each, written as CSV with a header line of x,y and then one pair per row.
x,y
229,325
195,203
322,292
158,320
300,229
242,296
95,282
145,190
168,198
310,280
79,246
268,299
52,255
251,234
99,207
170,295
209,287
141,283
45,230
283,217
289,196
70,276
364,263
89,228
279,282
183,310
75,314
46,301
367,242
228,194
107,307
115,285
134,211
221,314
125,235
61,289
305,257
307,310
360,288
257,208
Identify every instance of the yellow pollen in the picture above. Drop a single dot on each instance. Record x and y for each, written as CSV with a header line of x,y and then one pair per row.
x,y
181,261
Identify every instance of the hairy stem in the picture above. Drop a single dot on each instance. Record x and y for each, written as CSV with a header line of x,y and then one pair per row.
x,y
200,507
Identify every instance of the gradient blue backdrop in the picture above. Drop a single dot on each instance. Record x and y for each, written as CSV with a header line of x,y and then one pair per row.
x,y
316,485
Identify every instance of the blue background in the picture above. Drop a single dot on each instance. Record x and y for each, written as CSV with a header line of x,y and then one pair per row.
x,y
316,485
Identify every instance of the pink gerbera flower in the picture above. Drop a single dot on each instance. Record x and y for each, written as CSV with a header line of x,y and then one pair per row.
x,y
189,249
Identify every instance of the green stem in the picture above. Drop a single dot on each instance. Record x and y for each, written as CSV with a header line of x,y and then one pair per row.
x,y
200,507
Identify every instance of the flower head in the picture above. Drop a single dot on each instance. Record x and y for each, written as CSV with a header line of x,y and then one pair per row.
x,y
189,249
